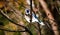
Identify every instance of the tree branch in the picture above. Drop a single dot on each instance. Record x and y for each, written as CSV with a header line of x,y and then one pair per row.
x,y
26,29
50,16
12,30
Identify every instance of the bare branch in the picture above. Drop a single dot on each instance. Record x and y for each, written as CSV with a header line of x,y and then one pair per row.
x,y
26,29
49,15
12,30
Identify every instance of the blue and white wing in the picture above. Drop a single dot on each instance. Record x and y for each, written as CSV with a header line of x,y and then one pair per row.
x,y
41,23
34,19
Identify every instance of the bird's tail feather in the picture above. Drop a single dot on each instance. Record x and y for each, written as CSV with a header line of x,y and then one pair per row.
x,y
41,23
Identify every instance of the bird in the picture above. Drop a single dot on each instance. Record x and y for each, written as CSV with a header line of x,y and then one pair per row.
x,y
34,17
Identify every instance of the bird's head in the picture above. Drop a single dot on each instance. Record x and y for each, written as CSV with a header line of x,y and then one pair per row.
x,y
27,12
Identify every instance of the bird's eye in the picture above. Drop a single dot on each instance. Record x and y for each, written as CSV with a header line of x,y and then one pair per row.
x,y
27,11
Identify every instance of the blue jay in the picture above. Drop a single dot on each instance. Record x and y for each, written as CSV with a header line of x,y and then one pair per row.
x,y
34,17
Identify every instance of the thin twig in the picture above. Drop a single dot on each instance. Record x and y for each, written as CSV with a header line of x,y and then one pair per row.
x,y
30,11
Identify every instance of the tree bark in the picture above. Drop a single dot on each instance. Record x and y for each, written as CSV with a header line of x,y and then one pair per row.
x,y
50,17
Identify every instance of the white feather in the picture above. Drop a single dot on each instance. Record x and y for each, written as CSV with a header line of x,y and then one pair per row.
x,y
41,23
28,19
28,1
33,20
